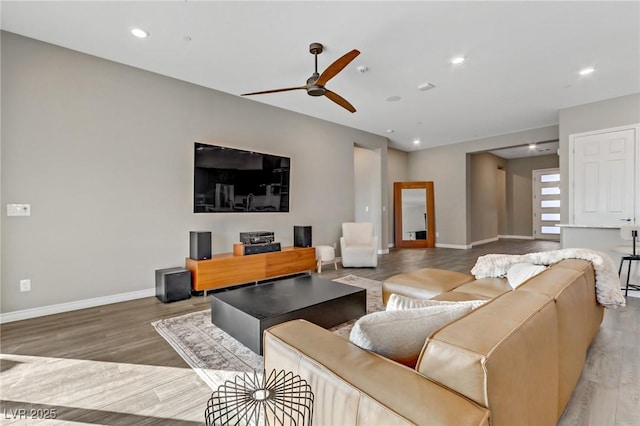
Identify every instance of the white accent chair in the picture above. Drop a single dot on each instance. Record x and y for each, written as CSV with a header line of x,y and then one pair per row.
x,y
358,245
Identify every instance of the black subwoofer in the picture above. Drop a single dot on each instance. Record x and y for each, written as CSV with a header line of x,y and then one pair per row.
x,y
200,245
302,236
173,284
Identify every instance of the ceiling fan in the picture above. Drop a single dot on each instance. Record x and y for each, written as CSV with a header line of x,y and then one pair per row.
x,y
315,83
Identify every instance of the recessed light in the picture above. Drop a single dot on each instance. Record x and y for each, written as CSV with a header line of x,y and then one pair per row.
x,y
140,33
532,146
458,60
393,98
416,141
586,71
425,86
389,130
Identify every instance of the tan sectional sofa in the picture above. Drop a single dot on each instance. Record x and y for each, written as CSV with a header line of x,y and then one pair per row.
x,y
513,361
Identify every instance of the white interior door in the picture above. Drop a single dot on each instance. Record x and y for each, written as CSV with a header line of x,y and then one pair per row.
x,y
546,204
604,179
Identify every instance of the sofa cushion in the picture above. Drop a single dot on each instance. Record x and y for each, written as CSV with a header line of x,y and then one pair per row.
x,y
397,302
400,335
578,319
489,288
423,284
504,356
521,272
458,296
357,387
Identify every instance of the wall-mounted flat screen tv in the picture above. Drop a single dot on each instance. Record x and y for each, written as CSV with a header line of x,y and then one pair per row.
x,y
234,180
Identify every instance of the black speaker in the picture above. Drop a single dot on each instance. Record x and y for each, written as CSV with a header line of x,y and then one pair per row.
x,y
173,284
302,236
261,248
200,247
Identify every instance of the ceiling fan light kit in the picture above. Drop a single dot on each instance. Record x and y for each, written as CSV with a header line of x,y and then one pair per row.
x,y
316,83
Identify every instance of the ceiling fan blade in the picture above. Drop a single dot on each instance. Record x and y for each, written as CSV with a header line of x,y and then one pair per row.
x,y
336,67
339,100
274,91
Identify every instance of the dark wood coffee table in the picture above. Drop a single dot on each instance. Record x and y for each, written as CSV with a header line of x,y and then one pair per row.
x,y
246,312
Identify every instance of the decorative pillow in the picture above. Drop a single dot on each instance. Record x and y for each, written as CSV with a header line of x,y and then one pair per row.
x,y
400,335
521,272
397,302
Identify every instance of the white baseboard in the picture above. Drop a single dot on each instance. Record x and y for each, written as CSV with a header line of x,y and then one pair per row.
x,y
516,237
453,246
383,251
488,240
74,306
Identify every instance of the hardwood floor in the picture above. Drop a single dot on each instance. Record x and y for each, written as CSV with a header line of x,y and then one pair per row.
x,y
107,365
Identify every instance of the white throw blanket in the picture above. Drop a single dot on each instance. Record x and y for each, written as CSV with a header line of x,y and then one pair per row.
x,y
608,291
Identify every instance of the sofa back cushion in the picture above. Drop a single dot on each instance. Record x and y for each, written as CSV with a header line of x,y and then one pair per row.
x,y
485,287
571,284
503,355
424,283
595,311
355,387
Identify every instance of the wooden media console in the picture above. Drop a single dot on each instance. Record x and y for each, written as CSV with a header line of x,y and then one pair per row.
x,y
228,269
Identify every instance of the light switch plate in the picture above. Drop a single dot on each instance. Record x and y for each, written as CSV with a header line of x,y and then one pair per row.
x,y
18,209
25,285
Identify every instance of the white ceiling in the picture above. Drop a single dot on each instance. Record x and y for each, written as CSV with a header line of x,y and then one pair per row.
x,y
522,62
530,150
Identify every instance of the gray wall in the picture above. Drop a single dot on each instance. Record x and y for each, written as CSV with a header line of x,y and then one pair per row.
x,y
501,201
483,195
613,112
398,171
520,191
448,168
104,154
368,191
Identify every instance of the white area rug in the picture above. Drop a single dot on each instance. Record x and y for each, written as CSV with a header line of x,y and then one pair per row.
x,y
216,357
